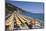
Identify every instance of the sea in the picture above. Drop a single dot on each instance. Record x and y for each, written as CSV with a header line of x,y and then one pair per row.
x,y
39,16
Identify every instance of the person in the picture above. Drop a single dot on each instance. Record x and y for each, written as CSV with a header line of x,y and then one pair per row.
x,y
29,25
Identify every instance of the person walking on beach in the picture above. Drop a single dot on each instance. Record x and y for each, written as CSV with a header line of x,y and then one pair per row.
x,y
31,23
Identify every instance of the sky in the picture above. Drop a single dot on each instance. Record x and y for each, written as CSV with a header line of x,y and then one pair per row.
x,y
34,7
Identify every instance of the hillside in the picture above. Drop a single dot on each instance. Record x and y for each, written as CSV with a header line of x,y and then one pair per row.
x,y
11,8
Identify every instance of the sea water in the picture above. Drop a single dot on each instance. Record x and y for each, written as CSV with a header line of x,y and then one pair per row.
x,y
35,15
